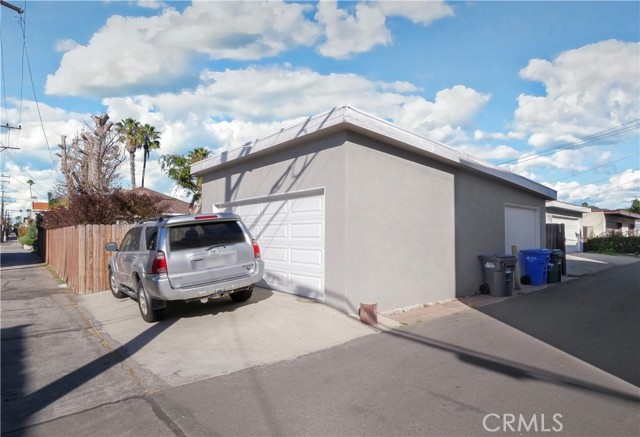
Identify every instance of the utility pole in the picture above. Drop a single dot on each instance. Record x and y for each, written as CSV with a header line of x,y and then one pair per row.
x,y
3,224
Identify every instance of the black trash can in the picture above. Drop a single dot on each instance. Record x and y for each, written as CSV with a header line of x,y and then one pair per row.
x,y
555,267
498,271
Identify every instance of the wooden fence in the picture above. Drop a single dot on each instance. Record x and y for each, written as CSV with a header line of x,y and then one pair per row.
x,y
78,256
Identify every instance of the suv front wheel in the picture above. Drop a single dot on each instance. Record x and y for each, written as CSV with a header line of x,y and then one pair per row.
x,y
113,285
145,303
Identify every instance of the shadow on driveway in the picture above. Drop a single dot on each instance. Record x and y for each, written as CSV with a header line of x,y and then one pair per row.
x,y
14,382
594,318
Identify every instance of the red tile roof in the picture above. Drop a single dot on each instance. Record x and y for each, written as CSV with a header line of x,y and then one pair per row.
x,y
170,205
40,206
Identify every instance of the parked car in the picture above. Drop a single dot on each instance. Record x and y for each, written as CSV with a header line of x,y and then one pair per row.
x,y
186,257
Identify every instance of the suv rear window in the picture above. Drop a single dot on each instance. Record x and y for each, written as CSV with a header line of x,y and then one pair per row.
x,y
202,235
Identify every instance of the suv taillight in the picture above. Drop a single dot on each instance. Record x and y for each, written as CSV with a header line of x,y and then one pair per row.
x,y
159,265
256,249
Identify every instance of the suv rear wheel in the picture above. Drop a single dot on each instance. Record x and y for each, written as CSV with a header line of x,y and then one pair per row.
x,y
113,285
145,303
242,295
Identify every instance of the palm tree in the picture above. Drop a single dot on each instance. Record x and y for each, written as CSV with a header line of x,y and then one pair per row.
x,y
30,182
129,131
150,141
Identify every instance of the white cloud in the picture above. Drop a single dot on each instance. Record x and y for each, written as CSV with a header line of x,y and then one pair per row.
x,y
588,89
65,45
442,119
617,191
573,160
17,191
347,34
128,52
152,4
500,152
276,96
31,139
482,135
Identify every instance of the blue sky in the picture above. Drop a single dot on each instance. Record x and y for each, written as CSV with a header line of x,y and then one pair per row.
x,y
504,81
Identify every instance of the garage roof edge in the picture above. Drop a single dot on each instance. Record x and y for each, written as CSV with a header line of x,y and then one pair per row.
x,y
373,126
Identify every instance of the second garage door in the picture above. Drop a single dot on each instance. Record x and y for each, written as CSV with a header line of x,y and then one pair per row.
x,y
290,232
572,230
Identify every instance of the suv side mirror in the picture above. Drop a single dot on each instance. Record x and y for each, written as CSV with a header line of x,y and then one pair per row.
x,y
111,247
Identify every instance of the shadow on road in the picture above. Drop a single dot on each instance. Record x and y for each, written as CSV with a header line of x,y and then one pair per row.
x,y
12,254
14,379
511,368
593,318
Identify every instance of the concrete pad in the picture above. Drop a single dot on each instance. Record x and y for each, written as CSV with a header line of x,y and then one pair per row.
x,y
198,341
579,264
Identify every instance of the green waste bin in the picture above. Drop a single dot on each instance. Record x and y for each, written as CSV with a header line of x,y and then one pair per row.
x,y
555,267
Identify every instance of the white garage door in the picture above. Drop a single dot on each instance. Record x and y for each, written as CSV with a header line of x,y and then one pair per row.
x,y
571,232
521,228
290,233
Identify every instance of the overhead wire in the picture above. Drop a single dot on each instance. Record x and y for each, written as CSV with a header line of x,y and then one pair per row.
x,y
23,170
607,133
594,182
597,167
35,98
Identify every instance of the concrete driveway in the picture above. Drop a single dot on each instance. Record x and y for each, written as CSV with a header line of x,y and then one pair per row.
x,y
198,341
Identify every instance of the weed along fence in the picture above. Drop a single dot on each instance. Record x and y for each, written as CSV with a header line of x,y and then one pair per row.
x,y
78,256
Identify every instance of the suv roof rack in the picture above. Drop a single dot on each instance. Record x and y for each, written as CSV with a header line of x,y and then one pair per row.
x,y
154,219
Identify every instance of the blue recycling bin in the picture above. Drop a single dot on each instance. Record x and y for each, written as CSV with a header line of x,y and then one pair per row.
x,y
536,265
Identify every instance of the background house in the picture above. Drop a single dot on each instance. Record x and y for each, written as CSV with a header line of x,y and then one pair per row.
x,y
38,208
349,208
611,222
571,216
170,205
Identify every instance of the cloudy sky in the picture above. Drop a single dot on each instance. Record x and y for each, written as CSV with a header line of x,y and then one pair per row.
x,y
549,90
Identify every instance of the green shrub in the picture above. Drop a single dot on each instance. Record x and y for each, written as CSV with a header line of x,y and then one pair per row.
x,y
27,240
614,244
29,234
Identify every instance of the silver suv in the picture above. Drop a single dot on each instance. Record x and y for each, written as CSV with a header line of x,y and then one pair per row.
x,y
187,257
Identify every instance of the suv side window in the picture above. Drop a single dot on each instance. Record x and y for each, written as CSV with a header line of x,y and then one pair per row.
x,y
131,241
151,234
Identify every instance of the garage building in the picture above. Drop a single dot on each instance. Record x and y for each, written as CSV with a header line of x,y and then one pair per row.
x,y
349,208
571,217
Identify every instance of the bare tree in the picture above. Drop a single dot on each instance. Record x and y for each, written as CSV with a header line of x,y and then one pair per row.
x,y
90,163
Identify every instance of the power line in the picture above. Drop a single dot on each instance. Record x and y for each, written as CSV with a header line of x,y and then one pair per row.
x,y
22,170
594,182
594,168
617,130
35,98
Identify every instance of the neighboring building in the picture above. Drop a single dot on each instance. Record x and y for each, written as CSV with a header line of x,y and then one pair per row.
x,y
571,216
170,205
38,208
611,222
349,208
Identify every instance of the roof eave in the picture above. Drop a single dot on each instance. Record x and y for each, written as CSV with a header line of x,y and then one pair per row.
x,y
348,118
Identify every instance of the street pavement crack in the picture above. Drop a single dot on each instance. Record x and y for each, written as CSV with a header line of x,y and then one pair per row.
x,y
105,344
164,417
